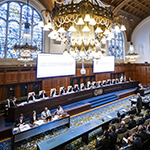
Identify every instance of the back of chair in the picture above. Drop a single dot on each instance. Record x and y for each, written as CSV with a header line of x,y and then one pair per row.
x,y
117,125
29,94
120,136
40,92
52,91
126,119
147,122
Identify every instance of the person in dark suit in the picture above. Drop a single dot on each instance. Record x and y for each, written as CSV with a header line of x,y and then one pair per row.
x,y
104,83
76,89
105,142
113,135
132,110
100,83
139,103
147,116
90,85
122,129
142,134
95,84
138,142
132,123
54,93
13,103
83,87
116,119
141,119
139,87
43,94
117,81
63,91
32,97
20,120
108,82
71,89
33,117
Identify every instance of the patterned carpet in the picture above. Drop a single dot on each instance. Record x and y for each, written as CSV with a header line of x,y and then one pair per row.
x,y
30,144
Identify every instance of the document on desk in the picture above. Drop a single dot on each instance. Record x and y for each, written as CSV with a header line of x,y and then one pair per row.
x,y
39,122
109,116
24,127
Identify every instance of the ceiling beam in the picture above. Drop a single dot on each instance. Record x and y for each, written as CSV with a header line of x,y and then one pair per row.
x,y
116,9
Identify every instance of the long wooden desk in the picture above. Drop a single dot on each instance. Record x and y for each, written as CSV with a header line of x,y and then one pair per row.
x,y
35,130
144,91
53,102
81,131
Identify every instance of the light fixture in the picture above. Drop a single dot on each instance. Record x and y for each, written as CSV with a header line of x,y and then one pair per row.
x,y
123,28
53,34
72,29
80,21
86,29
117,28
111,35
46,27
92,22
41,23
98,30
61,30
103,40
106,32
49,25
87,18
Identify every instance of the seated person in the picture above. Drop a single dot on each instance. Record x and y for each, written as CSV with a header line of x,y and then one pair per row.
x,y
95,84
117,81
130,145
54,93
32,97
33,117
122,129
142,134
71,89
132,110
13,103
132,123
59,110
83,87
90,85
100,83
139,87
104,83
109,82
46,113
76,89
43,94
20,120
141,119
116,119
137,141
63,91
105,142
147,116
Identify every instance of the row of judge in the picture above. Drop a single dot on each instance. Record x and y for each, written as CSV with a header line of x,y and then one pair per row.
x,y
46,114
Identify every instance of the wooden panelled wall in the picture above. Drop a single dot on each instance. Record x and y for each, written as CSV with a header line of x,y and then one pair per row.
x,y
18,75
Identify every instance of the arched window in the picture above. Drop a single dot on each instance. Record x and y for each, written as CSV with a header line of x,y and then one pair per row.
x,y
13,16
115,46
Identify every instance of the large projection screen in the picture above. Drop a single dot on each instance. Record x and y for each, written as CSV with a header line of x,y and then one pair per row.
x,y
104,64
51,65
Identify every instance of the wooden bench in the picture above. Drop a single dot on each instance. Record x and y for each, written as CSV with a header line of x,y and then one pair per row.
x,y
78,109
122,95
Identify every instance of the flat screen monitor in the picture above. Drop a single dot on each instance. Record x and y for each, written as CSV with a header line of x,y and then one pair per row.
x,y
104,64
52,65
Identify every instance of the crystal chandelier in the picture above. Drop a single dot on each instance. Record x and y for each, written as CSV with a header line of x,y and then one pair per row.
x,y
25,52
87,22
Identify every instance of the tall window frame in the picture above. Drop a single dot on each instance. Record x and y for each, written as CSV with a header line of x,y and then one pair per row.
x,y
116,46
11,27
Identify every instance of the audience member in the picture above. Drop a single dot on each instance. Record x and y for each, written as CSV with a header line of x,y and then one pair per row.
x,y
142,134
59,110
33,117
132,123
105,142
46,113
32,97
71,89
147,116
139,103
20,120
43,94
13,103
141,119
116,119
148,130
122,129
95,84
132,110
138,142
76,89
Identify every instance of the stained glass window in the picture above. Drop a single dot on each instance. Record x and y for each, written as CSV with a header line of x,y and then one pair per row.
x,y
13,16
116,46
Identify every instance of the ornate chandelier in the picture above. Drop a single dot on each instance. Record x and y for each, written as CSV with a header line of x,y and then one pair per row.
x,y
84,25
25,52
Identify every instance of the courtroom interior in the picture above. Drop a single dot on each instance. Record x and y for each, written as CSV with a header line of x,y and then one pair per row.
x,y
75,75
